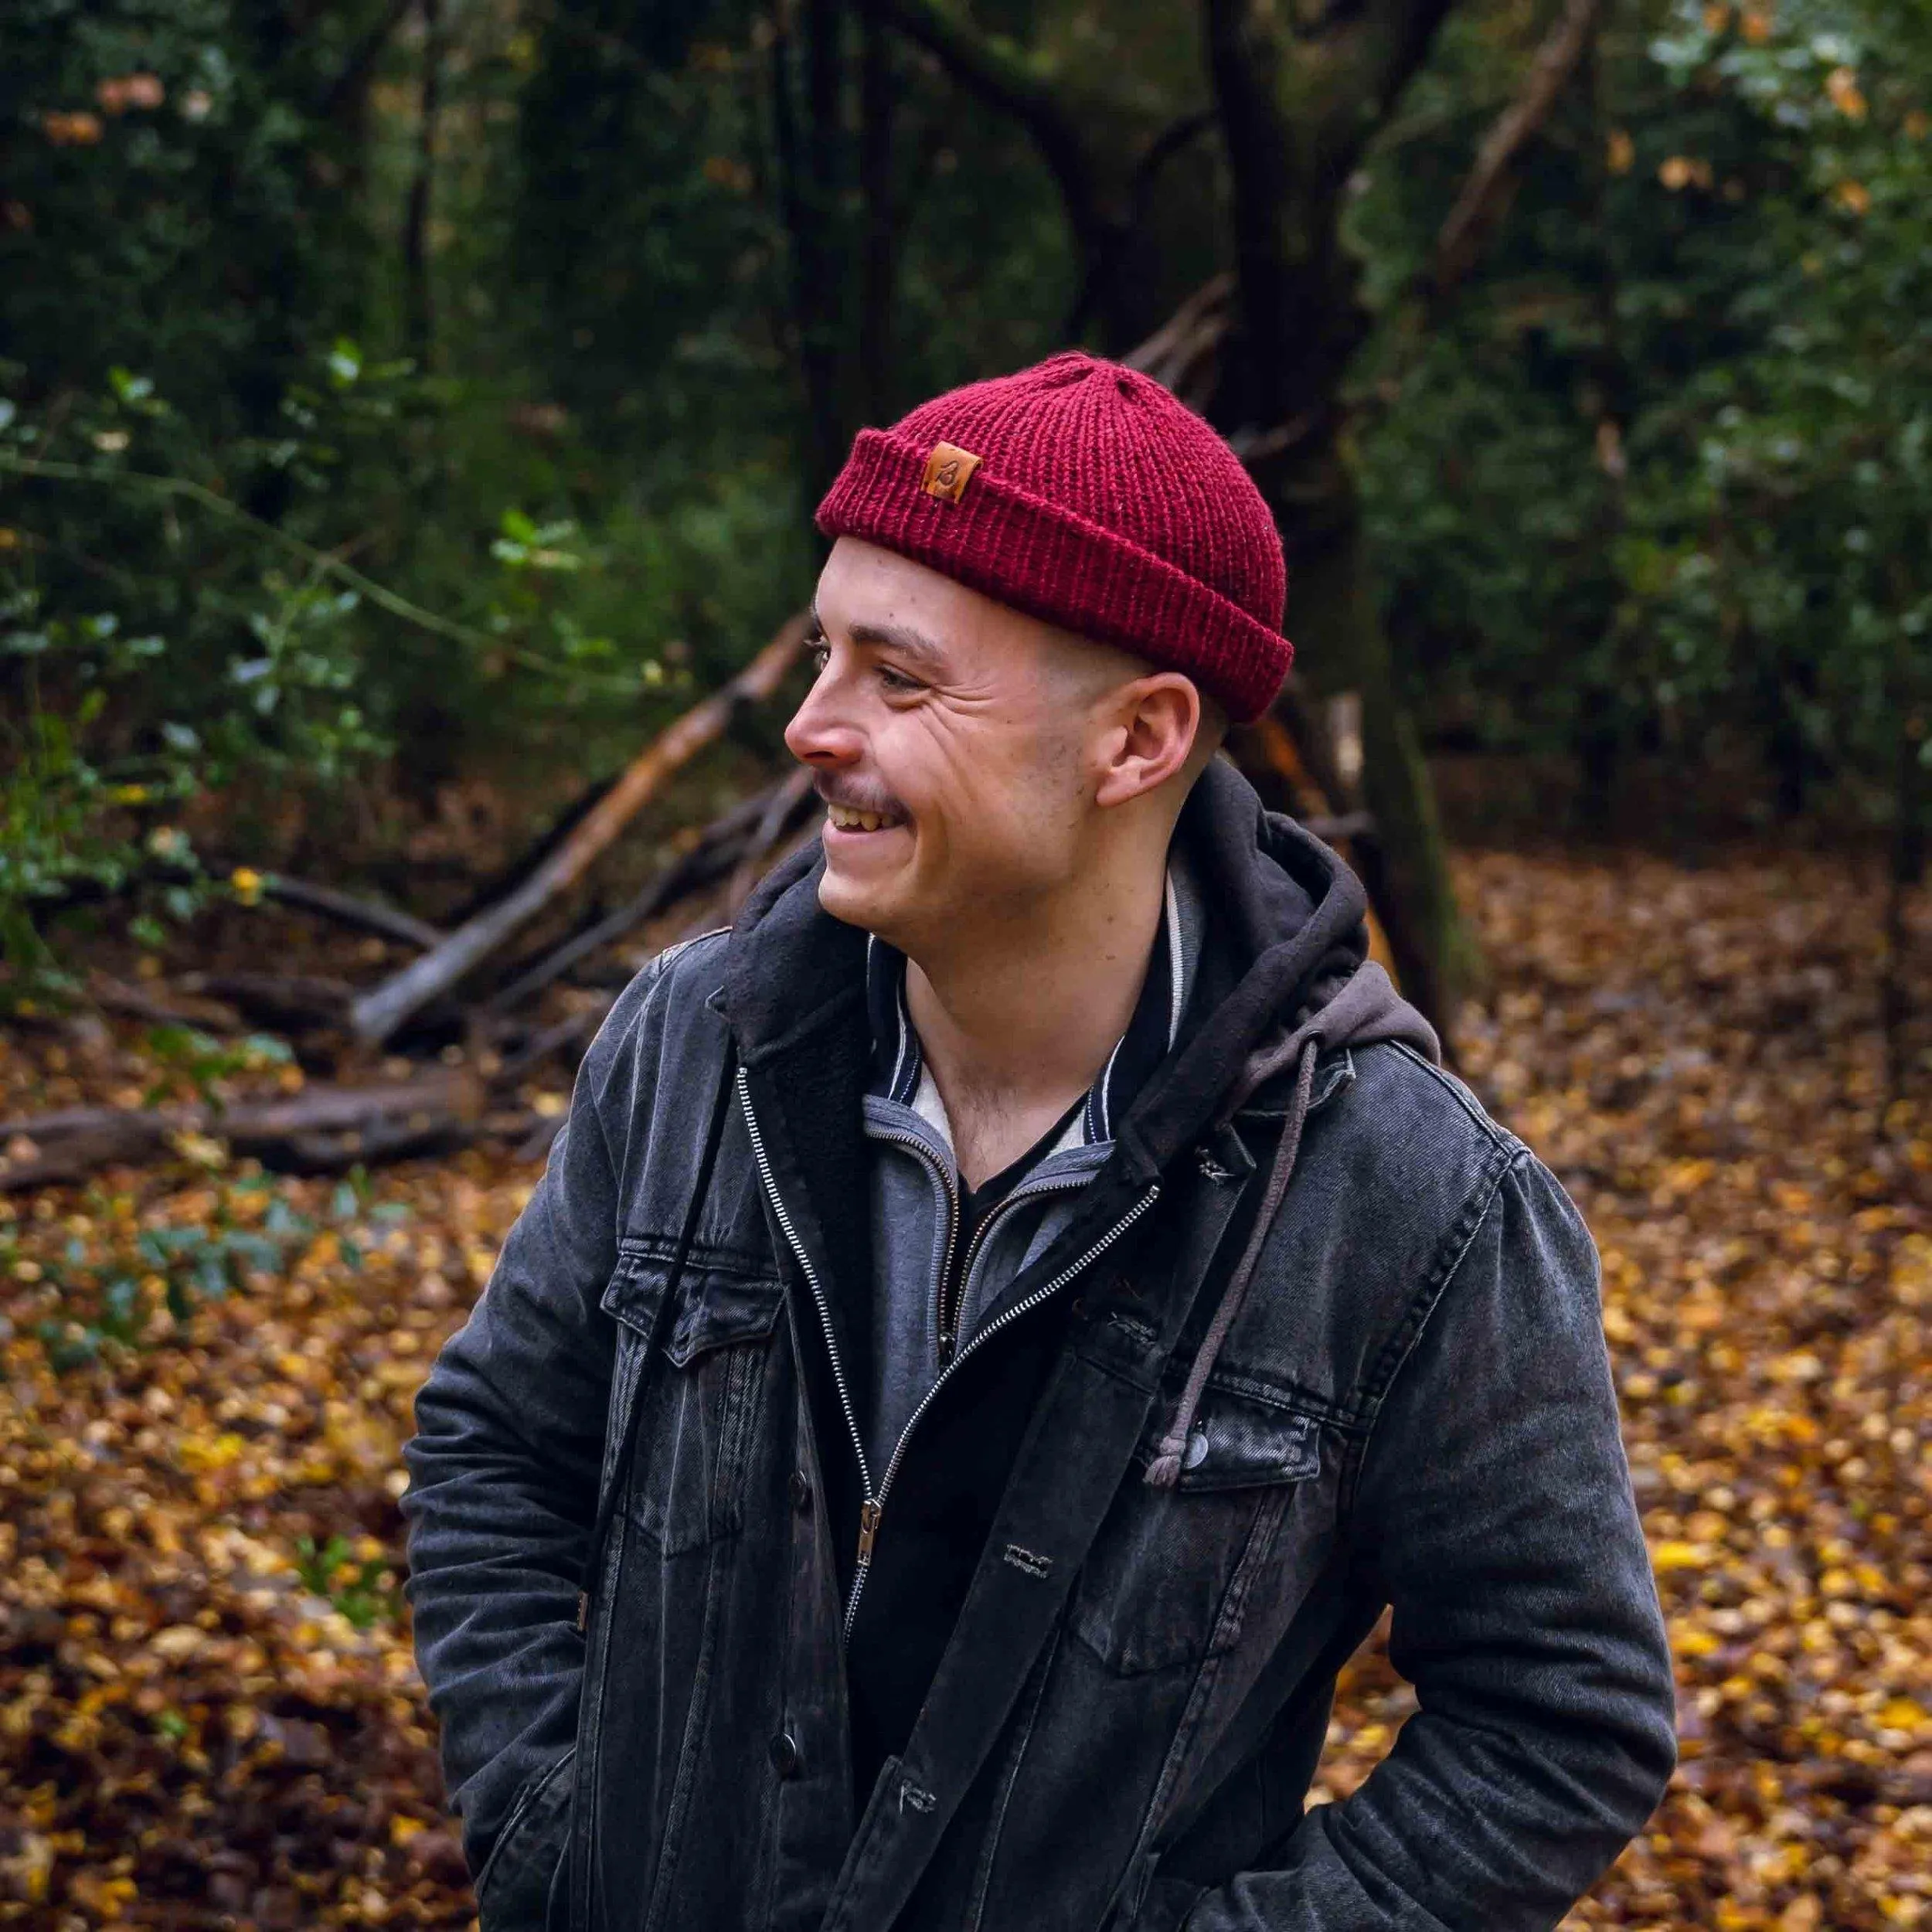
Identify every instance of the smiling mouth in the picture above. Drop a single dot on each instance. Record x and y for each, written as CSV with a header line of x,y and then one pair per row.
x,y
846,819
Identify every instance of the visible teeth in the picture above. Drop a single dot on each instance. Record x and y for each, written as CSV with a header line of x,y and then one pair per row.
x,y
847,820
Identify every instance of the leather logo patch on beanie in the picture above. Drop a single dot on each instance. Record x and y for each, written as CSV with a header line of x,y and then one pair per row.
x,y
948,470
1107,507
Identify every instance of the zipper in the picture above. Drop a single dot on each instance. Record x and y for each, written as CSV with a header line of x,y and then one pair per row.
x,y
912,1143
872,1507
1019,1198
1026,1191
983,1333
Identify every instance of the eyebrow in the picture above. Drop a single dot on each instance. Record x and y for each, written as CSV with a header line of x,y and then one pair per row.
x,y
911,644
901,638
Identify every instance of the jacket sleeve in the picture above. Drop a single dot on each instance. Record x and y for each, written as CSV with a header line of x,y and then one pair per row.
x,y
504,1464
1494,1509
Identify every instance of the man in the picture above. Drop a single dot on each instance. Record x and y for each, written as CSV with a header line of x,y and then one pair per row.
x,y
1000,1324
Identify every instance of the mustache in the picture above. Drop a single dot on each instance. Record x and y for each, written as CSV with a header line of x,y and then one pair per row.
x,y
854,795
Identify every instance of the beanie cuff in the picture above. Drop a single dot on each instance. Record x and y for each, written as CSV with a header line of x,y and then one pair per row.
x,y
1055,565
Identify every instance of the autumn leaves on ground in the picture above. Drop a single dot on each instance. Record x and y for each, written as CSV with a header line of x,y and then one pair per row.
x,y
209,1714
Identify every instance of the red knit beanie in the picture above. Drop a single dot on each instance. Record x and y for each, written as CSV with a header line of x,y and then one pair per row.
x,y
1081,491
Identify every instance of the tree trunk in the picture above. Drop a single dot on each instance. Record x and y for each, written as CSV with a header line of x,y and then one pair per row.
x,y
1331,608
1295,114
421,318
879,244
808,158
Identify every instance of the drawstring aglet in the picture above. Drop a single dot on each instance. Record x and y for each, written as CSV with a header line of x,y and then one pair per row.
x,y
1164,1472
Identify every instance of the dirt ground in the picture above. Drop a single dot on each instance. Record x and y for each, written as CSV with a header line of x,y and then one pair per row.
x,y
210,1717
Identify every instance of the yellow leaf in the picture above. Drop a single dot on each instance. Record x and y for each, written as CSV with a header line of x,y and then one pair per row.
x,y
200,1455
1668,1556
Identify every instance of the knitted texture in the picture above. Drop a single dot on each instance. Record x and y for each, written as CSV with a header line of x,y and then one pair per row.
x,y
1099,503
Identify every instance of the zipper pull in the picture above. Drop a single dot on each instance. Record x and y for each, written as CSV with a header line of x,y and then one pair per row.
x,y
868,1529
946,1347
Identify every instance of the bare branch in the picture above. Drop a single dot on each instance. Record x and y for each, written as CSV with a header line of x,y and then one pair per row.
x,y
379,1013
364,915
1188,342
1487,193
716,849
1003,76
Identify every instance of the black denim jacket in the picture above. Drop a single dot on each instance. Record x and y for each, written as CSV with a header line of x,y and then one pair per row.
x,y
1413,1408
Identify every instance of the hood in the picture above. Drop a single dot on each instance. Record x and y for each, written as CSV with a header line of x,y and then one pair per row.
x,y
1286,965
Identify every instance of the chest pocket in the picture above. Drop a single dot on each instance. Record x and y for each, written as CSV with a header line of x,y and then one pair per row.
x,y
685,1486
1166,1582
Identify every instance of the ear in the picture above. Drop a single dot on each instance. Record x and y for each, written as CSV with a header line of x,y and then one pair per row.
x,y
1151,729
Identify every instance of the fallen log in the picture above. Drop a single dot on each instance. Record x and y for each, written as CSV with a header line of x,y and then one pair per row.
x,y
43,1150
161,1005
379,1012
485,892
574,1029
363,915
709,856
326,1128
291,1003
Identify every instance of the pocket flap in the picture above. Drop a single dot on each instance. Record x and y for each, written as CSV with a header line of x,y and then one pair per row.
x,y
1240,1443
718,1301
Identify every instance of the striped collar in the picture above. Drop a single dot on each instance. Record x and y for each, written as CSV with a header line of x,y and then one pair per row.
x,y
899,1072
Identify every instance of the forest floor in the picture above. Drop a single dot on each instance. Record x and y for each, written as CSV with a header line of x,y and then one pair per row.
x,y
209,1713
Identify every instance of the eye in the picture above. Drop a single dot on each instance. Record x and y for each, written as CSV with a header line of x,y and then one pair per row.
x,y
817,652
897,681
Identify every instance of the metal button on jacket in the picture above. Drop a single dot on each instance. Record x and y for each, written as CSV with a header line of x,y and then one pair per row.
x,y
784,1754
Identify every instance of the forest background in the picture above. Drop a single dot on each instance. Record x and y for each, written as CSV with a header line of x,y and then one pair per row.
x,y
409,409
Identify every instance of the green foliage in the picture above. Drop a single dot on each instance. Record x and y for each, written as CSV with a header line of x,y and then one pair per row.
x,y
333,1572
1656,483
206,1061
110,1299
1654,480
175,194
155,643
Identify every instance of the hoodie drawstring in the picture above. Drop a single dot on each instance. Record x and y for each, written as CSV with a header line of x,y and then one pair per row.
x,y
607,1507
1164,1472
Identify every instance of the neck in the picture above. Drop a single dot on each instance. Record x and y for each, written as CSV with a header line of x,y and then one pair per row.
x,y
1016,1019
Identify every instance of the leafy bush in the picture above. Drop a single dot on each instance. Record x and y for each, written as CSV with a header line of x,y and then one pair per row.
x,y
1658,481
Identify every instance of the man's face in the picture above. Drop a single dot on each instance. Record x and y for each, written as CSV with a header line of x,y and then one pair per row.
x,y
949,736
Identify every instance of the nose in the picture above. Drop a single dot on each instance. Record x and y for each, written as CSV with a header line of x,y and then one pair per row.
x,y
819,733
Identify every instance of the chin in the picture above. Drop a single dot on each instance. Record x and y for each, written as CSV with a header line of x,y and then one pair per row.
x,y
851,900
